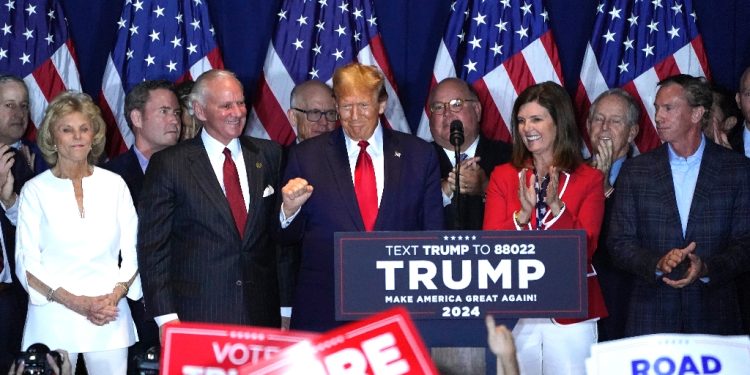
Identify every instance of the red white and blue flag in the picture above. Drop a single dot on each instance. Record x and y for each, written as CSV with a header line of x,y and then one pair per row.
x,y
312,39
635,44
36,47
500,48
171,40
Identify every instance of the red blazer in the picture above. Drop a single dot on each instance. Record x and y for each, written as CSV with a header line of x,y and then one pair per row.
x,y
583,195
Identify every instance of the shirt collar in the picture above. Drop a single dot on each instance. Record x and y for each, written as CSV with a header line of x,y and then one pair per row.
x,y
375,141
214,147
695,157
142,159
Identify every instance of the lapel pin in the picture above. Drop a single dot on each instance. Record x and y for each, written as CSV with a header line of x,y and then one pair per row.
x,y
258,165
397,154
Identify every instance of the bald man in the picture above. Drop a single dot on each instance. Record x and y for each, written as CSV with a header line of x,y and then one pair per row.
x,y
312,110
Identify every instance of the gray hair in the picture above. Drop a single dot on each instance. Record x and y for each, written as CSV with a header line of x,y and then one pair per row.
x,y
633,112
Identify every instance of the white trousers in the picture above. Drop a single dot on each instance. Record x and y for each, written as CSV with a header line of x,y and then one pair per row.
x,y
545,347
106,362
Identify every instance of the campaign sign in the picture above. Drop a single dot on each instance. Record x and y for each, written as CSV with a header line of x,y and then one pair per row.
x,y
384,344
462,274
199,348
671,354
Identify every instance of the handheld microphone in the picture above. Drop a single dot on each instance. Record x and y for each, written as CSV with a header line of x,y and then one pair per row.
x,y
457,133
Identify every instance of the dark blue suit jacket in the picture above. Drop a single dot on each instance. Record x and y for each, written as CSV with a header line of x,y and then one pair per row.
x,y
411,201
645,225
128,167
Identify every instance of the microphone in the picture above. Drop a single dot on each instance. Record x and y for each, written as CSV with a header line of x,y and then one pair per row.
x,y
457,133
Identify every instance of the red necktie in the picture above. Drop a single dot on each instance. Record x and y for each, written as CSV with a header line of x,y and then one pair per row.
x,y
234,192
365,187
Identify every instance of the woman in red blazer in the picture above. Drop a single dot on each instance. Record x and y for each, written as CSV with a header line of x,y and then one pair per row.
x,y
546,186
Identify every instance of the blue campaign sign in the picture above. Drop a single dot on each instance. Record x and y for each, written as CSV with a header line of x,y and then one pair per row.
x,y
462,274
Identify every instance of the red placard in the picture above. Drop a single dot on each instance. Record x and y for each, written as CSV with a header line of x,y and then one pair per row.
x,y
387,343
200,348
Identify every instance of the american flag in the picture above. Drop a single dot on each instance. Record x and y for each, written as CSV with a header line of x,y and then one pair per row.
x,y
635,44
500,48
311,40
156,39
36,47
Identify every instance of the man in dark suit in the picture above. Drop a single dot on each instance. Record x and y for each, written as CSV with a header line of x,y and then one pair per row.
x,y
453,99
612,125
153,115
680,221
361,177
152,112
203,238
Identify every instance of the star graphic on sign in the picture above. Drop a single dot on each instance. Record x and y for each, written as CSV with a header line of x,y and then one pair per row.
x,y
313,73
154,35
623,66
649,50
338,54
371,20
196,24
497,49
25,59
445,238
172,66
192,48
320,25
522,32
297,44
129,54
159,11
471,66
609,37
121,23
31,9
133,30
138,5
149,60
176,42
475,43
3,53
302,20
11,5
615,13
653,26
317,50
628,43
344,7
29,34
460,238
479,19
473,238
501,26
357,13
674,32
526,8
341,30
633,20
7,29
50,39
453,238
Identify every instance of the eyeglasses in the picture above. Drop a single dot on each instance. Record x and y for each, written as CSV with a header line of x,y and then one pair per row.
x,y
314,115
455,106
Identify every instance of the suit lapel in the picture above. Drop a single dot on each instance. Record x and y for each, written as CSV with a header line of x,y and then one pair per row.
x,y
392,166
254,167
338,161
707,176
204,177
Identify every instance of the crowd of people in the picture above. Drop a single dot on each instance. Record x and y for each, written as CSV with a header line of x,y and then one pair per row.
x,y
196,222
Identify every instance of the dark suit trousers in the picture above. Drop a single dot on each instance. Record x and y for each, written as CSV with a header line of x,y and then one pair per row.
x,y
13,305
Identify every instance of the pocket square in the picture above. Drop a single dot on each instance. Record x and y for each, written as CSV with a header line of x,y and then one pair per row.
x,y
268,191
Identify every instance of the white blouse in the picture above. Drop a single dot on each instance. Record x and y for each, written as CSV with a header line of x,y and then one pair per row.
x,y
80,254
